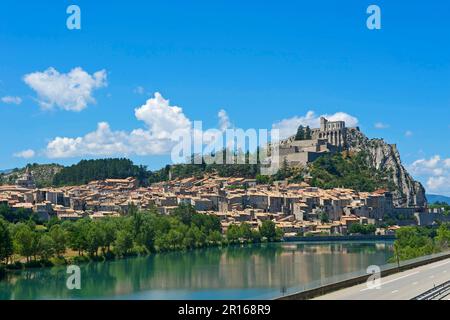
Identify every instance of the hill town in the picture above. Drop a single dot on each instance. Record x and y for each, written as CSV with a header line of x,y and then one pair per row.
x,y
296,207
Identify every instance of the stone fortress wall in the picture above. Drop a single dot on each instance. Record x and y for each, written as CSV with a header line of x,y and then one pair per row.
x,y
331,137
334,132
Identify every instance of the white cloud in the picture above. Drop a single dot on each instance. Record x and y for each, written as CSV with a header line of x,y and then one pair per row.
x,y
288,127
427,166
139,90
447,163
161,120
68,91
380,125
11,100
437,183
435,171
26,154
224,120
409,133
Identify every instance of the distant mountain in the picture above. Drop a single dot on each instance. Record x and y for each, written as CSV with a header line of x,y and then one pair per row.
x,y
5,171
432,198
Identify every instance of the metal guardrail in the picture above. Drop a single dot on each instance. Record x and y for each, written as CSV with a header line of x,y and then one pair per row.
x,y
435,292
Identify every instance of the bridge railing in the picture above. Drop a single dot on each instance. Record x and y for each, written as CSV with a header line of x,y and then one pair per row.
x,y
435,292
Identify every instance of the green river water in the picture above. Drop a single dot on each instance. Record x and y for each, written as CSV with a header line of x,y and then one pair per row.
x,y
262,271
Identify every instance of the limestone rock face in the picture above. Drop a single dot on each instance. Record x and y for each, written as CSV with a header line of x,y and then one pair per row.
x,y
385,157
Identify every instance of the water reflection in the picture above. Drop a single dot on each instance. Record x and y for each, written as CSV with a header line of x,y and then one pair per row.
x,y
240,272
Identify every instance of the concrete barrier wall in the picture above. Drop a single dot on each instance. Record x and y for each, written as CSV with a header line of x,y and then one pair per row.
x,y
317,292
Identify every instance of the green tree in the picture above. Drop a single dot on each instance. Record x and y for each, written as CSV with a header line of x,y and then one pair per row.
x,y
300,133
174,238
323,216
245,231
256,236
268,230
443,236
123,243
413,242
100,169
262,179
108,228
78,232
206,223
354,172
233,233
200,236
357,228
146,232
189,241
59,237
6,242
215,237
185,212
94,238
308,135
46,247
24,241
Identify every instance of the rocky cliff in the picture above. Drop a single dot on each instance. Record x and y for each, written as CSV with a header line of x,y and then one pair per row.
x,y
385,157
42,173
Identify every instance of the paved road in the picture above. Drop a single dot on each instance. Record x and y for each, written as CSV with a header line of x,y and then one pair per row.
x,y
401,286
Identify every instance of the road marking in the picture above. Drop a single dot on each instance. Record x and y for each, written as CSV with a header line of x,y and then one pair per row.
x,y
395,291
415,283
399,278
440,265
431,277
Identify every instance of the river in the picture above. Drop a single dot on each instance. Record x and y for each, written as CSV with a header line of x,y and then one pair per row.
x,y
263,271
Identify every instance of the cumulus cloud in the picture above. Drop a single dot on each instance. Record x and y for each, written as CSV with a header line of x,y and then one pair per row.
x,y
437,183
68,91
447,163
428,166
224,120
26,154
381,125
11,100
288,127
161,118
435,171
409,133
161,121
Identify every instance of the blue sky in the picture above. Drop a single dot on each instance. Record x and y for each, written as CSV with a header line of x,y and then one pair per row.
x,y
260,61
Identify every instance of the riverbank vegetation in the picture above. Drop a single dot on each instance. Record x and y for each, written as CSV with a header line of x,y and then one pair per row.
x,y
414,242
26,243
364,229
